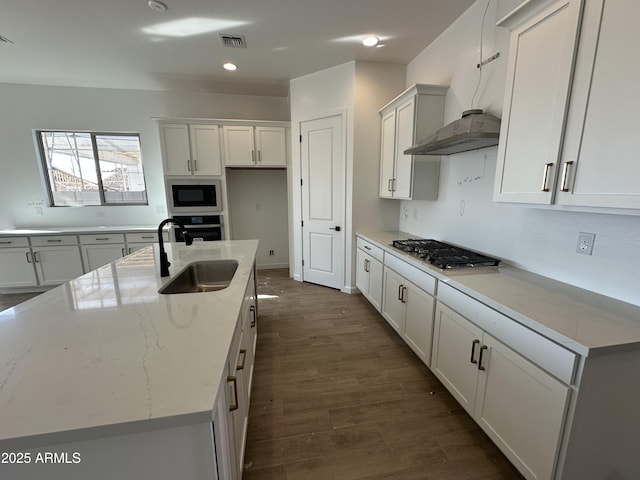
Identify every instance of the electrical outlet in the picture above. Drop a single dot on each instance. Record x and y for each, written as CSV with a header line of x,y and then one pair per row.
x,y
271,252
585,243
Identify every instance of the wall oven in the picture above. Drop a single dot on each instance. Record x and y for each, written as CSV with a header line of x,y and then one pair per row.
x,y
194,196
206,228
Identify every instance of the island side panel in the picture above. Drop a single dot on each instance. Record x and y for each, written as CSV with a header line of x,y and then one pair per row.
x,y
187,453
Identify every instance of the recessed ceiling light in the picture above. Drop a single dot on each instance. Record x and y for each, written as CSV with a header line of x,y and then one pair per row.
x,y
230,66
370,41
157,6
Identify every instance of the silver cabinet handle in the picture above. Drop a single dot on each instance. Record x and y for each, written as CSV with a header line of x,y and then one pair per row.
x,y
547,167
389,188
124,252
148,236
403,298
473,350
28,255
36,257
130,250
54,240
400,287
366,265
565,174
6,243
195,165
259,156
482,349
102,238
243,352
367,247
253,156
235,393
252,308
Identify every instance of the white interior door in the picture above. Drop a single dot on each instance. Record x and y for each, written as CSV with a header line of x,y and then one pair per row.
x,y
322,158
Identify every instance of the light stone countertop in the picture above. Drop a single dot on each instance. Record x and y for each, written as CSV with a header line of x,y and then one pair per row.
x,y
582,321
11,232
105,354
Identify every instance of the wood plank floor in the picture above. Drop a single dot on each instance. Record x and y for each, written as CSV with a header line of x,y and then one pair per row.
x,y
338,396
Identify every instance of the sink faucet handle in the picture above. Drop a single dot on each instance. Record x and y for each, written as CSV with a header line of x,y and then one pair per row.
x,y
188,239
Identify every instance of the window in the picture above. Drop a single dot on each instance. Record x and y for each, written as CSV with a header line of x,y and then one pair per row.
x,y
83,168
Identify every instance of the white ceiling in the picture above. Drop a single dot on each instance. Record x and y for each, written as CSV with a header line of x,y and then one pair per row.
x,y
125,44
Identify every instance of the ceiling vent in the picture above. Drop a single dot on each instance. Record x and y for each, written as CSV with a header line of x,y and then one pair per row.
x,y
232,41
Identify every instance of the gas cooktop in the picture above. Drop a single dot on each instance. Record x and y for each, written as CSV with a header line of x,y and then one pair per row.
x,y
444,255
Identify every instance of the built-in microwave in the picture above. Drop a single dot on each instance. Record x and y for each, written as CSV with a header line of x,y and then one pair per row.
x,y
194,196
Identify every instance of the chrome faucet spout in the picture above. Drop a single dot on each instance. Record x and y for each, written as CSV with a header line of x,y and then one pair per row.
x,y
164,261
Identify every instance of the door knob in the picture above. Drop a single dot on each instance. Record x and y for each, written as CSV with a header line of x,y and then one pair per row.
x,y
336,228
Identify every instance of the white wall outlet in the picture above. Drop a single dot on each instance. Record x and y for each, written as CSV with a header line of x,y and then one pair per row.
x,y
585,243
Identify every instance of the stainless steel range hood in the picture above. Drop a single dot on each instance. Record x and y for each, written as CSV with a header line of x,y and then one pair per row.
x,y
473,131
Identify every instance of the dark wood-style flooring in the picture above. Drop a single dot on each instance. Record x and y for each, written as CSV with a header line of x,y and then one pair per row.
x,y
337,395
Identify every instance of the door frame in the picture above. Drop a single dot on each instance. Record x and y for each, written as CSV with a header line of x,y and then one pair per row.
x,y
296,166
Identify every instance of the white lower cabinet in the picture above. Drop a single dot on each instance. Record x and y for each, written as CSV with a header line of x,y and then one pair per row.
x,y
369,272
98,250
16,263
520,407
409,310
235,414
51,260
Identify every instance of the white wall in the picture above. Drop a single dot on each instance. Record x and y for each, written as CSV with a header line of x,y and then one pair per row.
x,y
324,93
25,108
359,90
258,209
540,240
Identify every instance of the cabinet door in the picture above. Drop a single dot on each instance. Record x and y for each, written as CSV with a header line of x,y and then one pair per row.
x,y
96,256
56,265
404,139
205,150
393,306
375,283
521,408
16,268
387,153
270,147
418,323
539,74
175,149
362,272
603,119
456,350
239,146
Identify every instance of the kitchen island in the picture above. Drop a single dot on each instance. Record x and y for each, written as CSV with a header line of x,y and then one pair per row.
x,y
108,378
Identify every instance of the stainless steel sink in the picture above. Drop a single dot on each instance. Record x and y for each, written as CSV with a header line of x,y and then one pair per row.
x,y
204,276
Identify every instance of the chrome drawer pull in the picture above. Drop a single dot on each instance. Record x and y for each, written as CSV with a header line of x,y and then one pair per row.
x,y
482,349
547,167
473,350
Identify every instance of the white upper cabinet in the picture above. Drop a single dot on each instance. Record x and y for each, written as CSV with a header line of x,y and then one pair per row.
x,y
601,162
569,121
539,71
408,118
191,149
254,146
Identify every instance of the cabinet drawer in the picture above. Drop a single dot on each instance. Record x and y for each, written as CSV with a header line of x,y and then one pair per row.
x,y
421,279
550,356
371,249
146,237
53,240
14,242
102,238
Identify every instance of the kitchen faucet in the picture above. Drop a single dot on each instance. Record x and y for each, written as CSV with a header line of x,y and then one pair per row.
x,y
164,261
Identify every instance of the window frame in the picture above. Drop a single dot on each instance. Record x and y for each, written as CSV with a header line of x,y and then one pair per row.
x,y
47,173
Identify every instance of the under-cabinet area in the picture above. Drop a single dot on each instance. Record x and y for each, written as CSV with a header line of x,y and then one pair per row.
x,y
524,355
